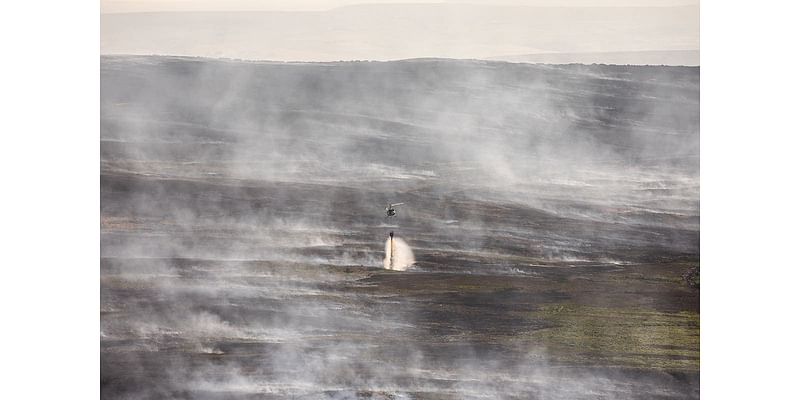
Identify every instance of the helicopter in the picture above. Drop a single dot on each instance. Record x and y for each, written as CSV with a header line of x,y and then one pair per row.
x,y
390,211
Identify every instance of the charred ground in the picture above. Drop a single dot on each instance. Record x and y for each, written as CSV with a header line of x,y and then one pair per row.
x,y
553,212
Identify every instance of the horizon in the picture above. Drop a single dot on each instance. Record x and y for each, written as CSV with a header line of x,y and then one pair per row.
x,y
399,60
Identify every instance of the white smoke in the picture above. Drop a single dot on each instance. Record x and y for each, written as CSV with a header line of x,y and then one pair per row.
x,y
399,256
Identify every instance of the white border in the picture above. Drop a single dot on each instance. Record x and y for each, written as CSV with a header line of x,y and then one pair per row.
x,y
749,172
50,198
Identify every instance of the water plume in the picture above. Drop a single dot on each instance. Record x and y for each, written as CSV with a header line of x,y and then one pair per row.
x,y
399,256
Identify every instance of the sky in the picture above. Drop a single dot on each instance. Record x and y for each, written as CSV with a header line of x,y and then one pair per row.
x,y
584,31
116,6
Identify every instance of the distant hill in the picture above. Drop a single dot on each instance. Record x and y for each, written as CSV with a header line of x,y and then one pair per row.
x,y
629,35
664,57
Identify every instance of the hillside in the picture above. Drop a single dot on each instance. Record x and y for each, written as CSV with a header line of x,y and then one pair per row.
x,y
553,212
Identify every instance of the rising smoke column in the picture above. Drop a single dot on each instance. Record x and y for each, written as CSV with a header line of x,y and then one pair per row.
x,y
399,256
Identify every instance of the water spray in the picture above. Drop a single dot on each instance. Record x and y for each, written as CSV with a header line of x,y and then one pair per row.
x,y
391,249
399,256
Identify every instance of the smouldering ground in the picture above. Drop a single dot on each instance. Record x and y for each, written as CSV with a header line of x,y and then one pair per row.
x,y
553,212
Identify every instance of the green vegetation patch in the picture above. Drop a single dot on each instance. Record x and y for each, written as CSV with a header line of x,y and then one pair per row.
x,y
625,337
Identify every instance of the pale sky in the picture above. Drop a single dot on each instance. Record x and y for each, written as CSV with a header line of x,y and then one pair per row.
x,y
613,32
115,6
